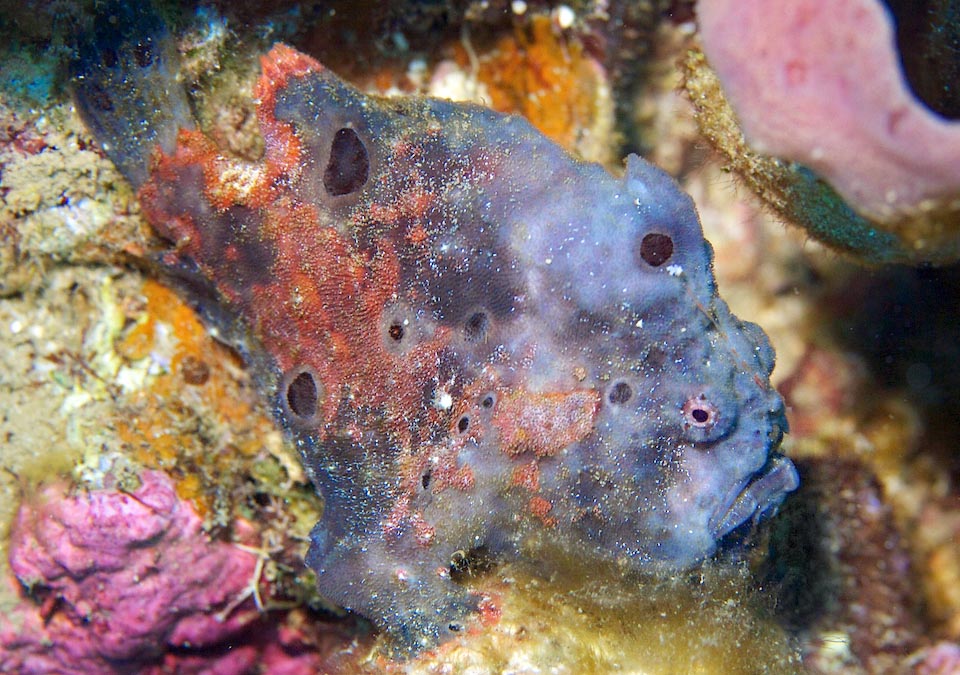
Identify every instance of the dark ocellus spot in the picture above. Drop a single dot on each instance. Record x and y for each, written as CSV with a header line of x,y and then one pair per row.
x,y
656,249
476,326
303,395
349,164
620,393
143,54
395,331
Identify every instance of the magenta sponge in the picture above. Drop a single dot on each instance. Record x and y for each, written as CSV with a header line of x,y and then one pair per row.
x,y
124,580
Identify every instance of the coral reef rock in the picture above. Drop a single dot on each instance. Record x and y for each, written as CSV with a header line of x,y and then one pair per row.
x,y
843,574
475,340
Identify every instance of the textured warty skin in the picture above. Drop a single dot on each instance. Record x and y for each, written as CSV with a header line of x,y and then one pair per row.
x,y
474,339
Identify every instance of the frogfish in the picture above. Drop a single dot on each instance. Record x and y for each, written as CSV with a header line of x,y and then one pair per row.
x,y
475,340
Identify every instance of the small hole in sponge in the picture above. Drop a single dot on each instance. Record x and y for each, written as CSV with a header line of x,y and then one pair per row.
x,y
349,164
463,424
656,249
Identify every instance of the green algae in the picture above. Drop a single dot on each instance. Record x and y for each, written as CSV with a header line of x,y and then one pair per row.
x,y
815,206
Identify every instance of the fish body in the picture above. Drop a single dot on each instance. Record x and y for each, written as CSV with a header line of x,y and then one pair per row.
x,y
474,339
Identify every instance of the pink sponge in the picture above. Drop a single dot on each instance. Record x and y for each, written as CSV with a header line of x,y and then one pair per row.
x,y
128,582
819,82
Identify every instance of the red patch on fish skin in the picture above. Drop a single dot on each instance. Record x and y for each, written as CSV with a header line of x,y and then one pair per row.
x,y
544,423
490,611
323,298
399,515
423,532
526,421
278,66
527,476
540,508
452,475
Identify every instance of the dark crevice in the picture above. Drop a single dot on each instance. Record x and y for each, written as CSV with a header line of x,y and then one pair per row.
x,y
928,39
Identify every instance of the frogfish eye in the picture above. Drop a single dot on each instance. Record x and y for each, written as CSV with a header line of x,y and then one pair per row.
x,y
699,412
707,417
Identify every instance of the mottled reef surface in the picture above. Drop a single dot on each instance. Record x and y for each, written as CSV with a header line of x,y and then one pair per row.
x,y
117,401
